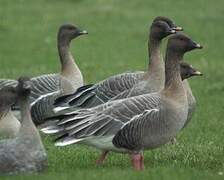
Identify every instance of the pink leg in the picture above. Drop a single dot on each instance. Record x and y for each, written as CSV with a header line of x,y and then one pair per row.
x,y
102,158
142,166
136,161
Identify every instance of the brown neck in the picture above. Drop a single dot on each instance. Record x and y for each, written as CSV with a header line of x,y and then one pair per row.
x,y
69,68
156,65
64,53
27,129
173,81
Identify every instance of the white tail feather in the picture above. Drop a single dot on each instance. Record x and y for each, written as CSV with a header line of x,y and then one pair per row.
x,y
58,109
50,130
67,141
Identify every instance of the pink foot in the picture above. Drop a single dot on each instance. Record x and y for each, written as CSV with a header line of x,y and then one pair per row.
x,y
137,162
102,157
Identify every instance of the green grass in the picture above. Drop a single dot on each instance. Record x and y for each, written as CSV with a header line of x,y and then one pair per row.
x,y
117,42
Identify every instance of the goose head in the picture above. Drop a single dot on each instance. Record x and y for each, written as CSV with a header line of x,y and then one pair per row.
x,y
187,71
181,43
69,32
24,87
8,97
169,22
160,30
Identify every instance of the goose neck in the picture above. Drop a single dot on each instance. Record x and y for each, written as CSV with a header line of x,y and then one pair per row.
x,y
69,69
27,126
155,59
173,82
64,51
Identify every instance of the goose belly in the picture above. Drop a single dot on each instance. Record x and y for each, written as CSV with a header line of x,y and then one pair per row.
x,y
103,143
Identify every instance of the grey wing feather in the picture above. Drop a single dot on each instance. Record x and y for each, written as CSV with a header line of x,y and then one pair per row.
x,y
105,90
7,82
107,122
42,108
43,85
131,135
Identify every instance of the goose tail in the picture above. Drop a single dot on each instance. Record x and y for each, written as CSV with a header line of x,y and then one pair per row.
x,y
67,141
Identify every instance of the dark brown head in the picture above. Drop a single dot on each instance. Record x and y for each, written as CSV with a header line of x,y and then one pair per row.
x,y
24,87
188,71
169,22
181,43
69,32
8,97
160,30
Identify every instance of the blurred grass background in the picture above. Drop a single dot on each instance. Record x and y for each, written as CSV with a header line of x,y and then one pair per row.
x,y
117,42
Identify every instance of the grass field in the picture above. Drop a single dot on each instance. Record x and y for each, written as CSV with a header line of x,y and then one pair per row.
x,y
117,42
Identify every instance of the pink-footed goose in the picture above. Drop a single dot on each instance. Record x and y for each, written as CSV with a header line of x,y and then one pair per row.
x,y
9,124
134,124
70,77
151,81
91,96
25,153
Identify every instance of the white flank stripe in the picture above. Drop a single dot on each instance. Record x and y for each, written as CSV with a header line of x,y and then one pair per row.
x,y
156,110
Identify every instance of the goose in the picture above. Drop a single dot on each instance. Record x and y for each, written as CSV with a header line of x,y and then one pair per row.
x,y
155,79
90,96
9,124
25,153
190,97
70,77
134,124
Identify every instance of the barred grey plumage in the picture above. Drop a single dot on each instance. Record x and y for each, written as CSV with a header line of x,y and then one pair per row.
x,y
7,83
132,140
100,92
40,85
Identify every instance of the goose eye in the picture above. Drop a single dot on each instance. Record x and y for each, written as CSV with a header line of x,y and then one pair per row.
x,y
182,39
70,28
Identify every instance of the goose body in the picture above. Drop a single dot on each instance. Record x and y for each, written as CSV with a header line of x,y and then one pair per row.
x,y
25,153
137,123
